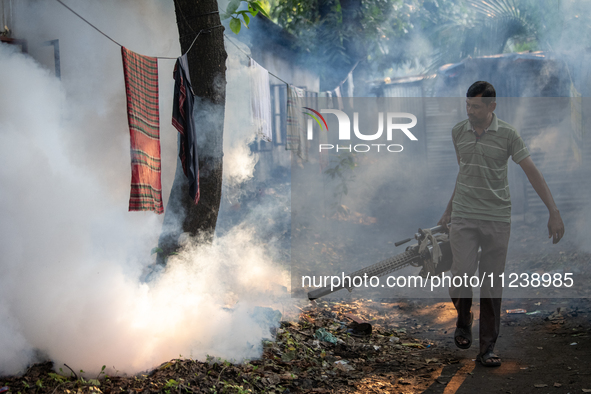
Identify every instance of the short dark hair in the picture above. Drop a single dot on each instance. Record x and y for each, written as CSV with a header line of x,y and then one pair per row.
x,y
482,88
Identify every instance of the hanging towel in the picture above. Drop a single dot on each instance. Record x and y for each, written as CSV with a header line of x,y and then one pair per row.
x,y
323,158
296,139
182,120
337,94
328,99
350,89
260,98
141,88
350,85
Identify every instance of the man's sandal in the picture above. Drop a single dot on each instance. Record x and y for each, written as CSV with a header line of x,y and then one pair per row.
x,y
466,333
487,359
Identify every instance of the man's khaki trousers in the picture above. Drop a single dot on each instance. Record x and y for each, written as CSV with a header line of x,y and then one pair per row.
x,y
492,237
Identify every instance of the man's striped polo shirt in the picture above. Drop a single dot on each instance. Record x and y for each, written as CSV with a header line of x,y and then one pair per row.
x,y
482,188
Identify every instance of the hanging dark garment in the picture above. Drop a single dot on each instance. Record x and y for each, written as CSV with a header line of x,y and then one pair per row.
x,y
182,120
141,88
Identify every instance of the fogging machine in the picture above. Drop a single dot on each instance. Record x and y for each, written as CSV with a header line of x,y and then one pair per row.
x,y
432,259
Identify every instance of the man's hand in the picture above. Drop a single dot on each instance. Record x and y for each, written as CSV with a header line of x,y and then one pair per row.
x,y
445,219
555,227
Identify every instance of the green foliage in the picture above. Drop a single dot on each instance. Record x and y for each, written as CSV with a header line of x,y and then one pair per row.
x,y
156,250
342,171
212,359
102,372
57,377
171,384
160,250
480,29
253,8
385,35
235,25
457,29
339,34
234,388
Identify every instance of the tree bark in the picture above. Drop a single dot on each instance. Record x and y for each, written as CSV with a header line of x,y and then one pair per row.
x,y
207,68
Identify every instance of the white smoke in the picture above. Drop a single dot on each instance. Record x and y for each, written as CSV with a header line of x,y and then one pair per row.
x,y
239,162
72,255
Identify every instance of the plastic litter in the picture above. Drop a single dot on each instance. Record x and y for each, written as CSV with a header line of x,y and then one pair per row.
x,y
414,345
325,336
359,327
516,311
343,365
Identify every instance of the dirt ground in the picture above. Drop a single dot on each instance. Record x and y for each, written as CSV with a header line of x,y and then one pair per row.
x,y
547,352
410,350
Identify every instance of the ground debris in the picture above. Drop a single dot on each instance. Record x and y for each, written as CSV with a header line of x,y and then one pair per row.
x,y
299,359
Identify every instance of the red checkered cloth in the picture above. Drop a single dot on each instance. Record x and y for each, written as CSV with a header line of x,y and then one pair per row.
x,y
141,87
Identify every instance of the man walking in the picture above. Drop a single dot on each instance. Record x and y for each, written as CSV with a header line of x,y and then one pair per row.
x,y
480,213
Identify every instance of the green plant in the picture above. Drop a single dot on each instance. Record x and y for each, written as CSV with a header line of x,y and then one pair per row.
x,y
102,372
341,170
156,250
238,389
254,7
171,384
57,377
166,256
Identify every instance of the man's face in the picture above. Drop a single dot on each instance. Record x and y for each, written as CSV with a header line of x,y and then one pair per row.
x,y
478,111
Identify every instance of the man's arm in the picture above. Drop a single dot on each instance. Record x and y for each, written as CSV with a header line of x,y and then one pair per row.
x,y
555,224
446,218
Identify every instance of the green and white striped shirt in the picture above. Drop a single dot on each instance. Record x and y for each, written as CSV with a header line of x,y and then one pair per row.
x,y
482,188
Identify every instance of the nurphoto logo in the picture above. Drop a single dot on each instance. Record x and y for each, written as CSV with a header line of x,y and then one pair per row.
x,y
392,125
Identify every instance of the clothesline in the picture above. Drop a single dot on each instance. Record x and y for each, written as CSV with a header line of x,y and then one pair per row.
x,y
208,30
250,57
285,82
192,43
141,89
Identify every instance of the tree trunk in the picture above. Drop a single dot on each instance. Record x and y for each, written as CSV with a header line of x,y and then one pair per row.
x,y
207,68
